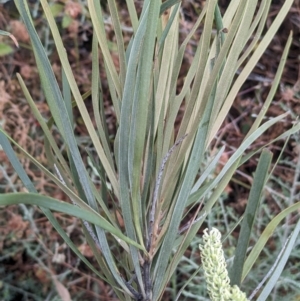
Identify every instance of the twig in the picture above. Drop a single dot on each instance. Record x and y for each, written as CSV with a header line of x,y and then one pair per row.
x,y
156,190
191,223
136,295
147,280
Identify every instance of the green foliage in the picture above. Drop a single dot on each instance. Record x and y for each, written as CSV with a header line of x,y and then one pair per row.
x,y
152,175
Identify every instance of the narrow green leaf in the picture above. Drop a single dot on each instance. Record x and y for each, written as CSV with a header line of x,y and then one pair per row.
x,y
171,22
280,265
75,90
268,36
102,264
98,24
260,177
169,42
97,101
192,169
229,67
57,181
124,129
54,98
133,14
4,142
140,110
167,4
260,20
267,233
274,86
120,40
67,97
43,125
192,114
54,204
30,187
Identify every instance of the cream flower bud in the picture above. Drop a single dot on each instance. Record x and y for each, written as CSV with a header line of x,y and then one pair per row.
x,y
215,271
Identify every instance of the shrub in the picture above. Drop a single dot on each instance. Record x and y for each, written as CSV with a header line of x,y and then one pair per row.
x,y
153,175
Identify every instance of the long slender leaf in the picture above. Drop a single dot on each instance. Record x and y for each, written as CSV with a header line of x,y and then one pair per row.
x,y
54,204
256,191
54,97
267,233
281,264
249,66
192,169
4,142
97,19
43,125
74,88
97,99
123,147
